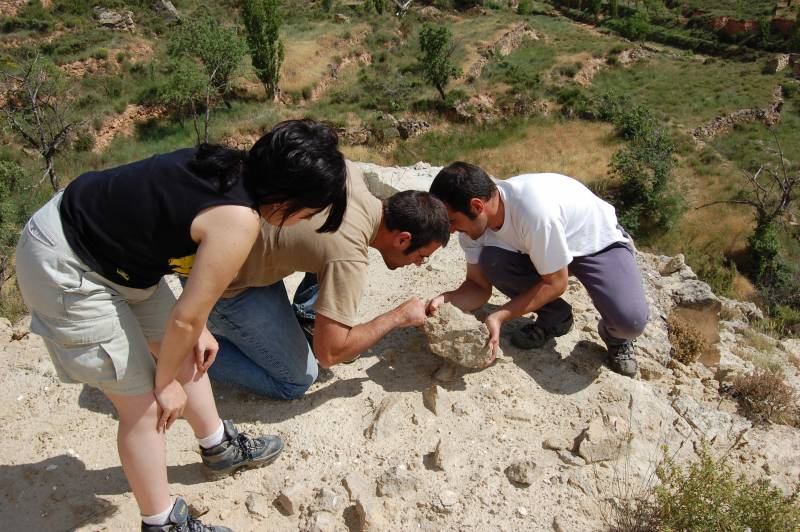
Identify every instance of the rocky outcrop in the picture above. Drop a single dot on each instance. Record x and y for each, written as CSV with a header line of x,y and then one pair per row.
x,y
777,63
542,439
114,19
769,115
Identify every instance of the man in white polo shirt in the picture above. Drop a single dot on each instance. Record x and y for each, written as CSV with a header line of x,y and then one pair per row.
x,y
525,236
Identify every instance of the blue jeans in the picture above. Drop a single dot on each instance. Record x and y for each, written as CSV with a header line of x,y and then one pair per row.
x,y
305,297
261,345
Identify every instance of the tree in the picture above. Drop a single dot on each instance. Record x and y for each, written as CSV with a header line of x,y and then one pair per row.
x,y
36,107
379,5
263,21
770,194
436,63
217,48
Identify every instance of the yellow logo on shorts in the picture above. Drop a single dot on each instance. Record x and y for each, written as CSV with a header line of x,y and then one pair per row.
x,y
183,265
123,275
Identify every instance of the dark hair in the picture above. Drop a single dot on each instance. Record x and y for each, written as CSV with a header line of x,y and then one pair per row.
x,y
459,182
419,213
296,163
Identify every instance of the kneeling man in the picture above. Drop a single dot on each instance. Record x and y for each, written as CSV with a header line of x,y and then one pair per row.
x,y
261,345
525,236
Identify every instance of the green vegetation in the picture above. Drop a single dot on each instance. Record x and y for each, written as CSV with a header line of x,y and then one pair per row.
x,y
674,90
263,21
708,495
436,61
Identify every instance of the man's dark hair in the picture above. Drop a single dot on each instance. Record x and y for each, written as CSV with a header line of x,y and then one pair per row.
x,y
419,213
296,163
459,182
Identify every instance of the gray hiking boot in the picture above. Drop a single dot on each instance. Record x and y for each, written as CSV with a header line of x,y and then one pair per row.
x,y
534,335
622,359
181,521
240,451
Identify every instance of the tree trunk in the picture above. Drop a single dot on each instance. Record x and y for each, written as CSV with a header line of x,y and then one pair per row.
x,y
51,173
441,91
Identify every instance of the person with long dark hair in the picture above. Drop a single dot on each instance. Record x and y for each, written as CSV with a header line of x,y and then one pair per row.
x,y
91,266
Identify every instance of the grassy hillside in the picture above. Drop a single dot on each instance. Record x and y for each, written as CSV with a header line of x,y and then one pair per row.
x,y
114,74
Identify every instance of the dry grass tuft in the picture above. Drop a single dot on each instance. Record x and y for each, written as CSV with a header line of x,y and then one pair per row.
x,y
687,341
764,396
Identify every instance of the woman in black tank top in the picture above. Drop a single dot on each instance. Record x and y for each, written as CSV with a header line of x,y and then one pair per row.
x,y
195,212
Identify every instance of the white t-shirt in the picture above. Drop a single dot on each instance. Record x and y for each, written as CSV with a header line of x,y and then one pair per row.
x,y
550,217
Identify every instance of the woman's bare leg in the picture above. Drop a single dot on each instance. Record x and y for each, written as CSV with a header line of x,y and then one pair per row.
x,y
142,451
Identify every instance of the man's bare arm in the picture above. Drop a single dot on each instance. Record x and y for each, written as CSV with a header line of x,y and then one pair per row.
x,y
335,342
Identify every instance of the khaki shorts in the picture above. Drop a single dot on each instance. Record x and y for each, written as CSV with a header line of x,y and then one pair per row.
x,y
96,331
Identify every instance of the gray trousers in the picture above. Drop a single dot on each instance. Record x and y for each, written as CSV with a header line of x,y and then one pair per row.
x,y
610,276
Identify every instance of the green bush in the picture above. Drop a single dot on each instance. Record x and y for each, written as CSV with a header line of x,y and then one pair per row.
x,y
709,496
635,27
525,7
786,321
718,272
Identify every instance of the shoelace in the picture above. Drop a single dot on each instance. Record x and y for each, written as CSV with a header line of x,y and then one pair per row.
x,y
195,525
626,351
246,445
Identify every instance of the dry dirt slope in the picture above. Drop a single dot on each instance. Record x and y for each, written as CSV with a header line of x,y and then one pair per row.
x,y
367,440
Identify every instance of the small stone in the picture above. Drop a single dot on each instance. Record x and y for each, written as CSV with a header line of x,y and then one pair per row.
x,y
448,498
383,423
557,526
571,459
396,481
323,522
328,500
357,487
445,457
525,472
578,480
554,443
460,409
255,504
370,515
597,443
435,399
675,264
292,497
198,509
522,512
51,467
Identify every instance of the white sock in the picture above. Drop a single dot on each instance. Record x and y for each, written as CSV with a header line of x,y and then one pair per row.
x,y
160,518
214,439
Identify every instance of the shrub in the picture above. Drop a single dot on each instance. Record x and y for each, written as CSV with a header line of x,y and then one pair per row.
x,y
718,272
765,396
84,141
525,7
687,341
635,27
786,320
707,495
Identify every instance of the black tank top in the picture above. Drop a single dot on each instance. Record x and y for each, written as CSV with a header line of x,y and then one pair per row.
x,y
132,223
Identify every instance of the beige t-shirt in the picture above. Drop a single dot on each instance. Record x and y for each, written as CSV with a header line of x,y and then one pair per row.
x,y
339,259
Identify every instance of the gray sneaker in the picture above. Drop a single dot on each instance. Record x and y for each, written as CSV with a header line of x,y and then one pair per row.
x,y
240,451
622,359
181,521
